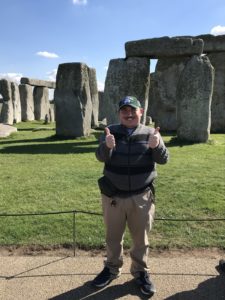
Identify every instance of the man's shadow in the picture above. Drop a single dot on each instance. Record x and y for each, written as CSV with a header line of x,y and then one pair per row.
x,y
89,292
210,289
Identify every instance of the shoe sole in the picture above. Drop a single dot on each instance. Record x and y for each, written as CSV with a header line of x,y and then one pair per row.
x,y
148,294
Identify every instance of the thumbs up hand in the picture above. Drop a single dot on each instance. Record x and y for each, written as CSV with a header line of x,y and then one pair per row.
x,y
109,139
153,141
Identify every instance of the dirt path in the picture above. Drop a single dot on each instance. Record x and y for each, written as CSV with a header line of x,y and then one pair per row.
x,y
36,250
55,274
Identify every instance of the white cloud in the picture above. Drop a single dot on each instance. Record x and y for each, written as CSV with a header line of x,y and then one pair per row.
x,y
100,86
80,2
52,75
15,77
47,54
218,30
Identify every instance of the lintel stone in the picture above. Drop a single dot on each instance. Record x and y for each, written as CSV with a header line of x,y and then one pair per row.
x,y
213,43
37,82
164,47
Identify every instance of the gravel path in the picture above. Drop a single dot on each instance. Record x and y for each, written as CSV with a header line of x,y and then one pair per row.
x,y
178,275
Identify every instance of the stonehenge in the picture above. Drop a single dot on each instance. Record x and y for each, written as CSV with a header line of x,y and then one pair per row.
x,y
185,93
181,57
27,101
162,93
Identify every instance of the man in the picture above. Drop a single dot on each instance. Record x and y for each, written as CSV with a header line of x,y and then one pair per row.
x,y
130,151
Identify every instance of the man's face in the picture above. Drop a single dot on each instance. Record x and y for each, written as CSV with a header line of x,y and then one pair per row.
x,y
129,116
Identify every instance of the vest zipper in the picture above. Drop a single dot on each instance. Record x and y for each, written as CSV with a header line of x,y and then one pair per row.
x,y
129,183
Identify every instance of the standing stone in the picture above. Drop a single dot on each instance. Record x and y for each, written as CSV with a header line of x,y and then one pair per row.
x,y
73,100
27,102
218,98
126,77
94,96
152,98
6,116
162,94
52,111
194,96
41,102
16,102
1,103
101,111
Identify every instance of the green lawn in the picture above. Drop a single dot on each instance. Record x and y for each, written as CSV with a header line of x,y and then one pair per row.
x,y
40,173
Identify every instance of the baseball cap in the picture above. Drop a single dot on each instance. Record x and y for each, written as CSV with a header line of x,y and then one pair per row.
x,y
129,101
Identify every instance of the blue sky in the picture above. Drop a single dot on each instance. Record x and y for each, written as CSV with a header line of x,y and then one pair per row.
x,y
37,35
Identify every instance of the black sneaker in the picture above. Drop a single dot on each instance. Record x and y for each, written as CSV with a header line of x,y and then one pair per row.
x,y
147,287
222,265
104,278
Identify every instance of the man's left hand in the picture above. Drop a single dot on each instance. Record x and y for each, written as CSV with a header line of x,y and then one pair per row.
x,y
153,141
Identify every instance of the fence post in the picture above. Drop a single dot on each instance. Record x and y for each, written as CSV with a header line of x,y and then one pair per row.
x,y
74,235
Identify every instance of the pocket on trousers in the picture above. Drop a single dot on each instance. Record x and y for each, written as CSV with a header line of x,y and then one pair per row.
x,y
151,216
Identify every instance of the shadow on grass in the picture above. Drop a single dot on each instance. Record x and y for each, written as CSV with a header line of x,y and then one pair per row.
x,y
46,146
176,142
35,129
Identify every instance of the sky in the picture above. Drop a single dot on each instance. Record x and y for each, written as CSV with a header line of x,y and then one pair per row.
x,y
38,35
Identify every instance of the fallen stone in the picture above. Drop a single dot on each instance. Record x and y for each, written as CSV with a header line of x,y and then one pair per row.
x,y
6,130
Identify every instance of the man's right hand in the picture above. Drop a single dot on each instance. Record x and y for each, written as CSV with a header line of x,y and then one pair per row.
x,y
109,139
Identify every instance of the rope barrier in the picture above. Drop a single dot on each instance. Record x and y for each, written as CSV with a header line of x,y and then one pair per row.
x,y
100,214
74,212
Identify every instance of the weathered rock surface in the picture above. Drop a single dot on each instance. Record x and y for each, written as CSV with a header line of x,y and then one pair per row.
x,y
6,115
101,110
125,77
72,97
6,130
16,102
94,96
162,94
218,98
164,47
41,102
27,102
212,43
194,96
37,82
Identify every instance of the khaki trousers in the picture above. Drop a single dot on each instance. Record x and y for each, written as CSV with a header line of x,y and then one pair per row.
x,y
137,212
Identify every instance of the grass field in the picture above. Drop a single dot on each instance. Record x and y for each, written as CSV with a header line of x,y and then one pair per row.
x,y
40,173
